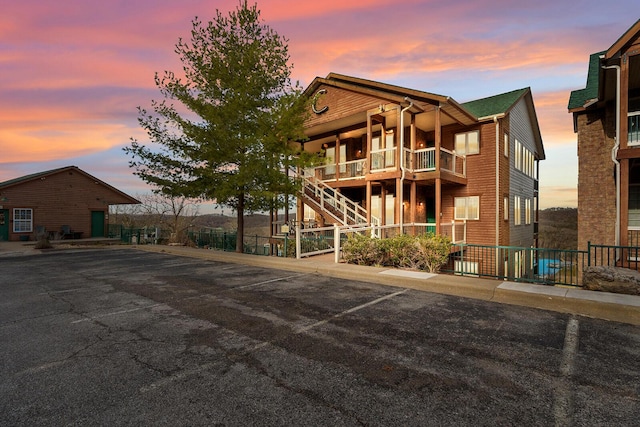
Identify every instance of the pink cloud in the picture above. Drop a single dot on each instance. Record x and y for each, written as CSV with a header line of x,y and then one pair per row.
x,y
556,123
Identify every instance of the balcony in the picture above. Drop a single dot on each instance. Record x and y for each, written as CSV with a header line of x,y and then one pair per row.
x,y
383,159
424,160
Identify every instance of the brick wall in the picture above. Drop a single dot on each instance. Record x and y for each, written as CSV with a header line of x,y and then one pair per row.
x,y
64,198
596,179
481,181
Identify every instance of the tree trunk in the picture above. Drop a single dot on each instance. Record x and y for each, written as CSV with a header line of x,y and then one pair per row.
x,y
240,232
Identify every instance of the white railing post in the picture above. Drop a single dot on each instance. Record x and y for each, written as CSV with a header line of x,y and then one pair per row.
x,y
453,231
336,243
298,241
465,231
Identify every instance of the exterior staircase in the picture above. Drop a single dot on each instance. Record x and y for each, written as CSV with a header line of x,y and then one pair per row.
x,y
333,205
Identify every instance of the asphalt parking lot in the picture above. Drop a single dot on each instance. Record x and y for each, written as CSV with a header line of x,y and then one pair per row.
x,y
125,337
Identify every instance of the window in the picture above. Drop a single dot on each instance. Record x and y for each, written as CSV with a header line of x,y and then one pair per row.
x,y
505,208
22,220
517,213
506,145
464,268
527,211
467,207
525,160
467,143
634,205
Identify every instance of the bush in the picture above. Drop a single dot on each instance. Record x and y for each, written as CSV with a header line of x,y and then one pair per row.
x,y
42,240
425,252
435,251
361,249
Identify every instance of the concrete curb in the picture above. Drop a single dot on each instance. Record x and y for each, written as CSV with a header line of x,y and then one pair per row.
x,y
602,305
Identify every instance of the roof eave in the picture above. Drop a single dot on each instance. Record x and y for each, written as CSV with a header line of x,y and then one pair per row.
x,y
622,41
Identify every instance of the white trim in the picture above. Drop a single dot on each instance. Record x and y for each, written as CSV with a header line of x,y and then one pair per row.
x,y
22,220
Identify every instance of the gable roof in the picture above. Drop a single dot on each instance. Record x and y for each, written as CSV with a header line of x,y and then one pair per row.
x,y
468,113
582,98
393,93
496,104
39,175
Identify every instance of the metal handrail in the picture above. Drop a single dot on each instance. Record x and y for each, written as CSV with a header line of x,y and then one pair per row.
x,y
350,211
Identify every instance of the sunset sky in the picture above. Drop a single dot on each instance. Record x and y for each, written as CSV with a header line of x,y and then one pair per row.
x,y
73,72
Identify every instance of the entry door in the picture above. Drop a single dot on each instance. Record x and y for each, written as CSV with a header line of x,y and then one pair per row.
x,y
4,224
97,223
431,214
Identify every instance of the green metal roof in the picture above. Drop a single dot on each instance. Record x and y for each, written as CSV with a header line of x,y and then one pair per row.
x,y
494,105
580,97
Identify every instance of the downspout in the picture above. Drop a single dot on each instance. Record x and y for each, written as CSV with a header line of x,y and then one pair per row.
x,y
495,120
402,159
614,152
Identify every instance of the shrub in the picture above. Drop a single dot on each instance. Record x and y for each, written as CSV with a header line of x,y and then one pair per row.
x,y
362,250
425,252
42,240
435,251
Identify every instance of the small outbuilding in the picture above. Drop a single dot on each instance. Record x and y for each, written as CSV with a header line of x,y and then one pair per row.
x,y
64,203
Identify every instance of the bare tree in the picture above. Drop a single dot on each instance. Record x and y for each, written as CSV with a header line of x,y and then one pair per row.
x,y
175,213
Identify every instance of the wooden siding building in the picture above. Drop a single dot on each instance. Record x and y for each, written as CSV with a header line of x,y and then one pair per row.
x,y
606,117
64,203
416,161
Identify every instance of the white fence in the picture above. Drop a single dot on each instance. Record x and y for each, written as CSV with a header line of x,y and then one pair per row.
x,y
316,241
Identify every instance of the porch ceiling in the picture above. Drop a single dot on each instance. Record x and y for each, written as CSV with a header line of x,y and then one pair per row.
x,y
347,126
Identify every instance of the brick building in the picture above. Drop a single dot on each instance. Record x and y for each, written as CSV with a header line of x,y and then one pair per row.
x,y
606,116
415,161
65,202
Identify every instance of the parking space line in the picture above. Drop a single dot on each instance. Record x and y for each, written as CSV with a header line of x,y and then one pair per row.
x,y
180,375
351,310
563,404
270,281
115,313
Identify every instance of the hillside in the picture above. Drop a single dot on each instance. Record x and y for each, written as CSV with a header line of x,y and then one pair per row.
x,y
558,228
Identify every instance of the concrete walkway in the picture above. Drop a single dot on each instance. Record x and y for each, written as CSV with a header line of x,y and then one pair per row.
x,y
603,305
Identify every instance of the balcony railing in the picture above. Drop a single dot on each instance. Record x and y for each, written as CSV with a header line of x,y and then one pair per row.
x,y
383,159
424,160
634,128
456,230
352,169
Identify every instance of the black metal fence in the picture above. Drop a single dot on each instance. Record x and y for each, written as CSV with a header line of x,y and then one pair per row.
x,y
614,256
533,265
252,244
537,265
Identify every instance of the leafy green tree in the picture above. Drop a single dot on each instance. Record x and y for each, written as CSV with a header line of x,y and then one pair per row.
x,y
228,136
